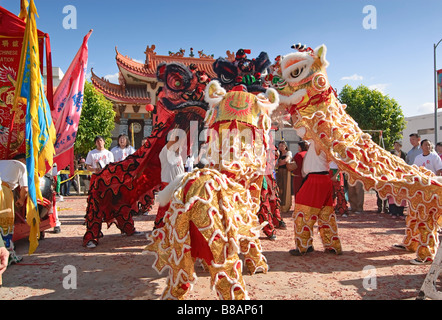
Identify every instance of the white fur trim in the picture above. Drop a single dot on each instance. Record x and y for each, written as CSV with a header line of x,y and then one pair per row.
x,y
295,98
214,93
165,195
269,101
303,66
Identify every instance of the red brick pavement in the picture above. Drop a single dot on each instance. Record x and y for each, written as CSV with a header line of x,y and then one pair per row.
x,y
117,269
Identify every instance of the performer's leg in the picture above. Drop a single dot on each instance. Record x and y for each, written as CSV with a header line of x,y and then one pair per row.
x,y
160,215
125,224
410,240
93,231
264,215
305,218
275,204
228,280
93,226
428,237
328,229
254,259
179,290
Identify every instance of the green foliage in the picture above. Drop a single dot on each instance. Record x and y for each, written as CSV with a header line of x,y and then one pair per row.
x,y
374,111
97,118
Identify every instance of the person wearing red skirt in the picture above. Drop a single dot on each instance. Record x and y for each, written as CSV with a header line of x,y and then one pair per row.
x,y
314,203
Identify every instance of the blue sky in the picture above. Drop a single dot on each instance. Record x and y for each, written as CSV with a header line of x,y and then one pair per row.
x,y
396,57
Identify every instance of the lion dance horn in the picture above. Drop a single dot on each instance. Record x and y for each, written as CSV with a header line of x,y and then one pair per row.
x,y
302,48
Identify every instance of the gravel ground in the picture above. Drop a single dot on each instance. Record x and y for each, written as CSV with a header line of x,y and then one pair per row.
x,y
62,269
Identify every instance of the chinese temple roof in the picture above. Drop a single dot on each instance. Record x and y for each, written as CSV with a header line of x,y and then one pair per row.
x,y
134,75
120,93
149,68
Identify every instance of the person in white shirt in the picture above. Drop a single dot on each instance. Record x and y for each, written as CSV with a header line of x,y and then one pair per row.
x,y
13,175
171,166
98,158
314,202
189,163
428,158
123,149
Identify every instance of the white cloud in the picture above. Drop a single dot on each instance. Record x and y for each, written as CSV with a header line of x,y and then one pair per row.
x,y
112,77
426,108
139,61
381,87
354,77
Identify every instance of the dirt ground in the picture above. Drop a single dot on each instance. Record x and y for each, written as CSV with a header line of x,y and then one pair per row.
x,y
62,269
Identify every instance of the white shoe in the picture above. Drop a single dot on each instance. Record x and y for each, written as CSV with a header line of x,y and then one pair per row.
x,y
91,245
420,262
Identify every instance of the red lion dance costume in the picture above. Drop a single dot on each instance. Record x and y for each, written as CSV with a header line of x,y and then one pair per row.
x,y
213,211
122,187
306,94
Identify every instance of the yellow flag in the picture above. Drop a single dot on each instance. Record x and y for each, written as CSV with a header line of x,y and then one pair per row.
x,y
40,131
24,4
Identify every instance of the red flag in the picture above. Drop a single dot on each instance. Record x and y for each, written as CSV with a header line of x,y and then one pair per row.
x,y
68,103
439,88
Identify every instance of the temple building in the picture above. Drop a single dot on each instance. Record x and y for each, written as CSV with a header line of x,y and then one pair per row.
x,y
138,86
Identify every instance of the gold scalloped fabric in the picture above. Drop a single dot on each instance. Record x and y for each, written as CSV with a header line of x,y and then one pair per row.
x,y
224,214
339,136
213,211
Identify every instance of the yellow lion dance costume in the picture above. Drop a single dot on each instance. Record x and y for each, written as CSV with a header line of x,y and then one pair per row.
x,y
213,211
301,80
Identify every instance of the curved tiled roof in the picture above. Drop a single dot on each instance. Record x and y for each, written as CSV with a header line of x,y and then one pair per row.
x,y
120,93
130,93
149,68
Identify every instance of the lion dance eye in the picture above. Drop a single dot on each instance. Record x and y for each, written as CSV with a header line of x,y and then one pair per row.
x,y
226,79
175,82
297,72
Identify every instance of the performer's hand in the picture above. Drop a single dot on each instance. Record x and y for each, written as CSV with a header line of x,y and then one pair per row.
x,y
4,255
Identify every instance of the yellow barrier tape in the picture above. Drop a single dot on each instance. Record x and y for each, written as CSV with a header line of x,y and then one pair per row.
x,y
76,172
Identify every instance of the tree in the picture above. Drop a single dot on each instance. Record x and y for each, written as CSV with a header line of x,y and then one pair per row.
x,y
373,110
97,118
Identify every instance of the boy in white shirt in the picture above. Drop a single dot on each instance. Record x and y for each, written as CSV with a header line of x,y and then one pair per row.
x,y
429,159
98,158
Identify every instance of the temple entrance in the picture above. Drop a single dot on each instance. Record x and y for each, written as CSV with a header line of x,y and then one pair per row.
x,y
135,132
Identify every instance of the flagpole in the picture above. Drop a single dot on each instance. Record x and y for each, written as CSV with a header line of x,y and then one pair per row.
x,y
435,93
132,129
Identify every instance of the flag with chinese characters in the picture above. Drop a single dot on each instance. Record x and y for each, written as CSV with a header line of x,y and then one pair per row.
x,y
439,88
68,102
12,120
40,131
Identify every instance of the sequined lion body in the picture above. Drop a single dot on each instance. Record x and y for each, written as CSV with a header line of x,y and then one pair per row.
x,y
213,211
305,92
